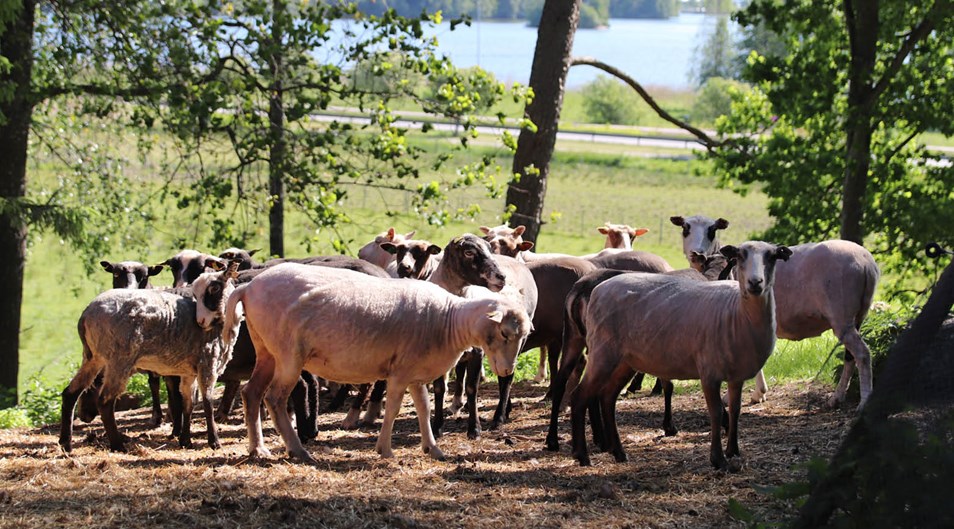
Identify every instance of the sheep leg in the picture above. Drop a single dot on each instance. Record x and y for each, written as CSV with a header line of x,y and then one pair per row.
x,y
856,354
735,406
711,390
541,367
107,409
350,421
205,388
422,403
276,400
437,422
668,429
312,388
460,374
471,383
581,401
554,351
761,388
396,391
299,402
374,404
81,381
573,381
175,404
156,418
657,387
228,400
610,394
572,357
186,384
502,413
252,395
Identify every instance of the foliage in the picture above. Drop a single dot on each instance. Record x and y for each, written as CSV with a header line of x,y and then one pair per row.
x,y
714,99
594,14
14,418
41,402
520,9
644,8
788,135
716,56
607,100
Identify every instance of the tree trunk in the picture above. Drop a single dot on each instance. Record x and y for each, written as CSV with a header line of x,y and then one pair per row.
x,y
551,61
861,17
16,42
278,145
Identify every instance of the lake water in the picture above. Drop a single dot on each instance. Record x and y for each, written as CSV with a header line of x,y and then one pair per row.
x,y
654,52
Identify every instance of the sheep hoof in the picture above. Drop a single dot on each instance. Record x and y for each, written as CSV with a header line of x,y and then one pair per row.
x,y
584,461
553,445
259,452
833,403
757,398
304,457
121,448
539,378
386,453
435,453
669,431
215,445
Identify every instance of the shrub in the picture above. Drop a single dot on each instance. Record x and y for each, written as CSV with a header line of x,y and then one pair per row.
x,y
715,99
14,418
609,101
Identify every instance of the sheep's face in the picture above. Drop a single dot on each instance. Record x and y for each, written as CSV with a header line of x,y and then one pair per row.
x,y
755,267
505,330
211,291
187,265
130,274
411,256
470,258
505,240
621,235
699,234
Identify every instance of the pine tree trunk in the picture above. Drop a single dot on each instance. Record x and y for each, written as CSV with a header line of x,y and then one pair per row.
x,y
16,41
861,17
278,147
551,61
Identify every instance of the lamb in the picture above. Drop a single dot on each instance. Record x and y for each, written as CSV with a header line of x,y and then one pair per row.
x,y
373,253
358,329
826,285
171,332
711,331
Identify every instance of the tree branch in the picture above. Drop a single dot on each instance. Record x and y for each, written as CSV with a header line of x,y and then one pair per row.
x,y
703,138
941,11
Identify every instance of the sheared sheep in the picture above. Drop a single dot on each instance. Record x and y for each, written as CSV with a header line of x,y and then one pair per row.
x,y
677,328
373,253
359,329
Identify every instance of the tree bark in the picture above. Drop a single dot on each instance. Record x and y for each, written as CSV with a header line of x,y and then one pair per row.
x,y
278,143
16,43
861,18
551,61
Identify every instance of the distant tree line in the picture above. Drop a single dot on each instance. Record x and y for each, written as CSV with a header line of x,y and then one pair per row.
x,y
593,13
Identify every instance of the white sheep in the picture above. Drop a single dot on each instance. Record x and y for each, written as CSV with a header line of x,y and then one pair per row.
x,y
169,332
676,329
357,329
374,254
825,285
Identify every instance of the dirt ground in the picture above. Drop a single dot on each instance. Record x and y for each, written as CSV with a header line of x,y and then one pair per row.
x,y
504,477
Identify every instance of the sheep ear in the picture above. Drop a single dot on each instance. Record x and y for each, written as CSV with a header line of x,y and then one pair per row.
x,y
678,221
525,246
783,253
434,249
495,316
729,251
232,271
518,231
603,230
410,234
388,247
639,232
253,252
391,233
227,255
215,264
721,223
484,229
153,270
106,266
697,257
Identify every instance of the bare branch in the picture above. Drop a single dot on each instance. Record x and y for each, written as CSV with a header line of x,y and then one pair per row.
x,y
703,138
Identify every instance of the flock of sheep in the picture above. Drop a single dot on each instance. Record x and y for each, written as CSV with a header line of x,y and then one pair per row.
x,y
406,312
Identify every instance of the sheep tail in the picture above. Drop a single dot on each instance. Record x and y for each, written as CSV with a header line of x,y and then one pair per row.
x,y
233,315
